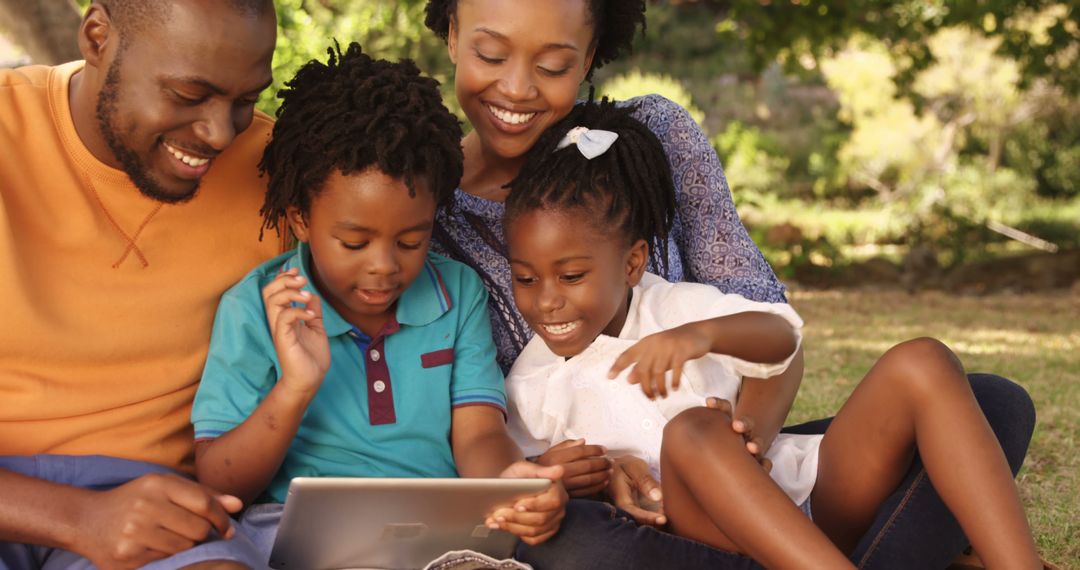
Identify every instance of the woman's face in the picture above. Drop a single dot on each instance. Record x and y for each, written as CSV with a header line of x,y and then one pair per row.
x,y
519,66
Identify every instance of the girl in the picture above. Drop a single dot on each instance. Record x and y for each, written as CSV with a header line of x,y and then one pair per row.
x,y
593,195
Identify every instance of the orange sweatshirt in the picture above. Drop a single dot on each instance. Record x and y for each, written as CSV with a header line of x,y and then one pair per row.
x,y
109,303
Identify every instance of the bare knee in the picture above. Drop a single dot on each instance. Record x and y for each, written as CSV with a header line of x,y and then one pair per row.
x,y
691,429
924,366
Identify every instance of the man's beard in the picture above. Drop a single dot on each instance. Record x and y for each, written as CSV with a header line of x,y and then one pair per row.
x,y
130,162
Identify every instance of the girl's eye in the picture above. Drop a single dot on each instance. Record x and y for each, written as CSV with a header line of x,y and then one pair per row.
x,y
524,280
573,277
354,246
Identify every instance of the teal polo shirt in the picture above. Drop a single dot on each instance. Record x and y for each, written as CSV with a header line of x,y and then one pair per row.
x,y
385,406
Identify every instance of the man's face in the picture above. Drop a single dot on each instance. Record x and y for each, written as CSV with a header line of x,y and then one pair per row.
x,y
178,92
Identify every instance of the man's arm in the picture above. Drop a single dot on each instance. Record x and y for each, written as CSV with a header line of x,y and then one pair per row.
x,y
147,519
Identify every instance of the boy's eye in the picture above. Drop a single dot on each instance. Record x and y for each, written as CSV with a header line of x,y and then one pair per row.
x,y
572,277
354,246
410,245
524,279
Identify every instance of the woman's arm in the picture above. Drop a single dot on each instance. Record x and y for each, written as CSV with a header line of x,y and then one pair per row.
x,y
713,246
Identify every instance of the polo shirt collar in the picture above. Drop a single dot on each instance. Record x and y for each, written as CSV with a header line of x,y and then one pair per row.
x,y
424,301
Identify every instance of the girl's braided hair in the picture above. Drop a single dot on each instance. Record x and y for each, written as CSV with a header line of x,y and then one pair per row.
x,y
629,187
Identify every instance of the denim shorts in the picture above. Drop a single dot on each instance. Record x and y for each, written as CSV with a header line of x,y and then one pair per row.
x,y
101,473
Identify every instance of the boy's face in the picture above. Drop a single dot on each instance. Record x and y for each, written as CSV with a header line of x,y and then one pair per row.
x,y
368,240
571,279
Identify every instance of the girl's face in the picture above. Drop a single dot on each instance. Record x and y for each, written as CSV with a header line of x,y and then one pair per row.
x,y
571,279
519,65
368,239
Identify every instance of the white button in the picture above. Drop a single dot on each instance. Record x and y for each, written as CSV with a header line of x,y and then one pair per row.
x,y
379,386
646,424
374,355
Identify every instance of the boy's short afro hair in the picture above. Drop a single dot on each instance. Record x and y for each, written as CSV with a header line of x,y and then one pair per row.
x,y
355,112
614,24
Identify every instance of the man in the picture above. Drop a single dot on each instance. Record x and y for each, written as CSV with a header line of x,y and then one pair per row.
x,y
129,201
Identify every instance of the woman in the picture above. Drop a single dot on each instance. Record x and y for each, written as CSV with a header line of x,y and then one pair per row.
x,y
519,66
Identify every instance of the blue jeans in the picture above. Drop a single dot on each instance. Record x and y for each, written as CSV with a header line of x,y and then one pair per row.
x,y
101,473
913,528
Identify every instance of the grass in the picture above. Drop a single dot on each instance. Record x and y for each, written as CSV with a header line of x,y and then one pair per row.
x,y
1031,339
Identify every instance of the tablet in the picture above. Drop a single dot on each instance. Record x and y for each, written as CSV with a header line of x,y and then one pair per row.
x,y
352,523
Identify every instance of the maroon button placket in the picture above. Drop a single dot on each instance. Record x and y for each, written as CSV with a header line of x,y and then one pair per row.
x,y
379,387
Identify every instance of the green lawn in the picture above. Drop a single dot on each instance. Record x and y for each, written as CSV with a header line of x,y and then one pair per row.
x,y
1031,339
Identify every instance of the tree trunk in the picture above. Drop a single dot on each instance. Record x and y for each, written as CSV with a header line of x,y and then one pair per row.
x,y
44,29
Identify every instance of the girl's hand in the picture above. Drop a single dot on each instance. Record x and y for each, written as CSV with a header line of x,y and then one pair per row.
x,y
656,354
533,519
743,425
634,490
296,325
586,468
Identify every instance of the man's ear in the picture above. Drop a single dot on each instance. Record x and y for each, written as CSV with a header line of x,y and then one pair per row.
x,y
297,222
96,35
636,260
451,40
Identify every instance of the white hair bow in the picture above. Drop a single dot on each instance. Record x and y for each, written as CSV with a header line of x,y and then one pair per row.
x,y
590,142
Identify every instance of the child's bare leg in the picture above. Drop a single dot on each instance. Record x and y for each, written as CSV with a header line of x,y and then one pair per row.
x,y
916,396
715,492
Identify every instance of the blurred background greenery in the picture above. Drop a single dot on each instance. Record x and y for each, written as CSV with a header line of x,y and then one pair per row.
x,y
849,130
915,133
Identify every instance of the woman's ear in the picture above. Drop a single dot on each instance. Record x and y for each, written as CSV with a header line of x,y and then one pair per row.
x,y
636,260
298,223
451,40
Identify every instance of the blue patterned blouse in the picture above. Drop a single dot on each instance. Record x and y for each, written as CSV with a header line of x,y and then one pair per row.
x,y
708,243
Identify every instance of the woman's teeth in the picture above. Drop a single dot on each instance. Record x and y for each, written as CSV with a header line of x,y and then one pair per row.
x,y
561,328
511,118
185,158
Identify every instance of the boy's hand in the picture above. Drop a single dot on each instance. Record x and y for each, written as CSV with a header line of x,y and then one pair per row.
x,y
586,468
296,324
533,519
743,426
656,354
150,518
634,490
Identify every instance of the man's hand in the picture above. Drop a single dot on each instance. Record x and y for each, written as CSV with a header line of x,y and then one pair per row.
x,y
587,470
533,519
634,490
150,518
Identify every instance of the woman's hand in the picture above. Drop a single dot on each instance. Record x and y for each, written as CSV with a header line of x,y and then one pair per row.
x,y
587,470
634,490
296,325
533,519
743,426
656,354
